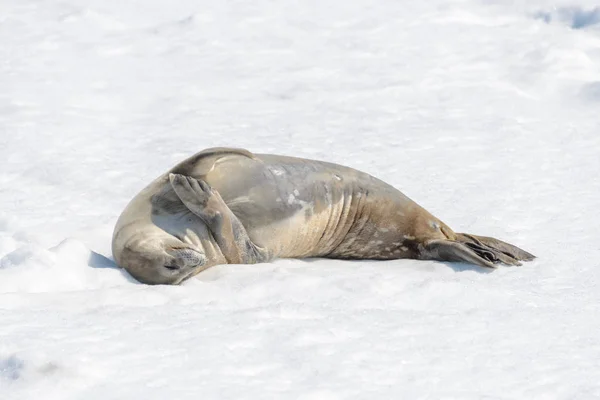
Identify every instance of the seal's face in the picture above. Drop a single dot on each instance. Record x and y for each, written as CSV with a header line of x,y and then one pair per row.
x,y
168,266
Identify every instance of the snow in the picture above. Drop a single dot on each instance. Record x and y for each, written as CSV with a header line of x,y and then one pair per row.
x,y
486,112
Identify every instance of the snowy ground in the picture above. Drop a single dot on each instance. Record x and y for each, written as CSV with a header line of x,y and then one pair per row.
x,y
486,112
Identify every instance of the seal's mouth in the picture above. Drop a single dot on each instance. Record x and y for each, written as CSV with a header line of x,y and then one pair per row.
x,y
185,262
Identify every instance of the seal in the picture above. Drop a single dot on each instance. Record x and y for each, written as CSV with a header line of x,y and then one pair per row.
x,y
226,205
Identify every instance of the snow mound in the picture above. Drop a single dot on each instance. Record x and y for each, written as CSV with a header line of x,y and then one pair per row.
x,y
68,266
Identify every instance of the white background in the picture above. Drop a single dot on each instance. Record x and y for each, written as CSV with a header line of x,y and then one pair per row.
x,y
485,112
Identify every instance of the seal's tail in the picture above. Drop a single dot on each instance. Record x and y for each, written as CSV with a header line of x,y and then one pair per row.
x,y
478,250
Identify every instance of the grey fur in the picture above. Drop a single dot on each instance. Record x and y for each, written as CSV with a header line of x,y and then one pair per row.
x,y
232,206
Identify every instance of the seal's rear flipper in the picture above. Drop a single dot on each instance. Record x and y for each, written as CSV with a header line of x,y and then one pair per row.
x,y
478,250
449,250
502,249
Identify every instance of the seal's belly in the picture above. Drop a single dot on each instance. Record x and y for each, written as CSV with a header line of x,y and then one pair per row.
x,y
294,207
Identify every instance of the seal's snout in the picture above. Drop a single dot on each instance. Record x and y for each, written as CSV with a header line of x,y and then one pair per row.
x,y
188,258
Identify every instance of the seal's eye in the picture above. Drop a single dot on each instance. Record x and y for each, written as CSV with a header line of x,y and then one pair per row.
x,y
173,267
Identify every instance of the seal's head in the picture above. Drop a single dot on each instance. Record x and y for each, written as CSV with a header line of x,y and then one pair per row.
x,y
160,262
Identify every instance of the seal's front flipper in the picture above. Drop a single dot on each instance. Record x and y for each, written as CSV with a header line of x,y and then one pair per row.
x,y
198,197
449,250
226,228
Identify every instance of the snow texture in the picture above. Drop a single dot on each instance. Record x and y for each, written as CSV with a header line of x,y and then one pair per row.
x,y
486,112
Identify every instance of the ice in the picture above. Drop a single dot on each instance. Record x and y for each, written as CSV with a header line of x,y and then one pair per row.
x,y
484,112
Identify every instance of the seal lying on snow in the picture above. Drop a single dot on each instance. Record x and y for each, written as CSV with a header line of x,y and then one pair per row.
x,y
231,206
